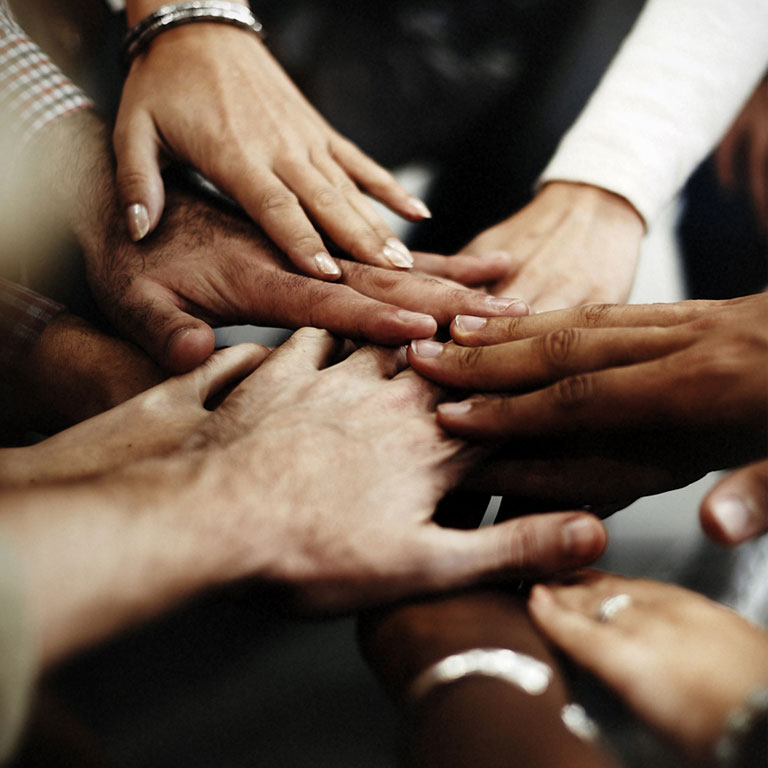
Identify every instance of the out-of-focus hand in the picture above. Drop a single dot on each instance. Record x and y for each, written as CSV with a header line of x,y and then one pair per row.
x,y
736,509
747,138
670,651
153,423
332,475
573,244
664,392
214,97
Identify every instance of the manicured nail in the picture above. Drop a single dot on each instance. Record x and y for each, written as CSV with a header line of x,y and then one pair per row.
x,y
137,218
470,322
508,306
426,348
417,208
397,258
326,264
579,537
455,409
735,516
398,245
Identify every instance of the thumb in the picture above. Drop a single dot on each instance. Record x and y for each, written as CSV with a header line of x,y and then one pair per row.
x,y
150,316
139,182
226,366
736,509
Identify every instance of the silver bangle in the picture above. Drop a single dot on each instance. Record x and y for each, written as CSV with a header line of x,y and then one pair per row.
x,y
168,16
525,672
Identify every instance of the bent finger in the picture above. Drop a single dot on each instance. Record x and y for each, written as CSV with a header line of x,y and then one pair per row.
x,y
736,509
223,367
466,269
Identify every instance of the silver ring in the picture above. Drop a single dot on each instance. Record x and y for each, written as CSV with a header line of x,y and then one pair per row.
x,y
612,606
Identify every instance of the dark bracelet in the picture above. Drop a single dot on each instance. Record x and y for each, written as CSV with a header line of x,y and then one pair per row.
x,y
169,16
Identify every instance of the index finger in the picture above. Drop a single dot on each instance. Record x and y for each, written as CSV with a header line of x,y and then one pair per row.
x,y
479,331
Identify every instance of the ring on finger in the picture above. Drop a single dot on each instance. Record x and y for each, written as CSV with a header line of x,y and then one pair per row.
x,y
612,606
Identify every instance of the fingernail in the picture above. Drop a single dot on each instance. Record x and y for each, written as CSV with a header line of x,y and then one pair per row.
x,y
508,306
418,208
735,516
540,595
397,258
426,348
137,218
470,322
415,317
398,245
326,264
579,537
454,409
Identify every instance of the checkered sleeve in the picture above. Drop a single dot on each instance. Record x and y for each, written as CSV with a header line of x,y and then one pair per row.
x,y
33,91
24,315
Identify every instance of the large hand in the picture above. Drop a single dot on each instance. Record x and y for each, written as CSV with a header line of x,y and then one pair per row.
x,y
666,391
206,266
669,652
214,97
337,472
574,244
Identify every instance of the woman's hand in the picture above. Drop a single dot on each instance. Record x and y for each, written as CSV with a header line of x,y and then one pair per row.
x,y
573,244
682,662
213,96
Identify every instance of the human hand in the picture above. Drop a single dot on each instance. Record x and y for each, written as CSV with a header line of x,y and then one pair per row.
x,y
639,398
74,371
350,522
736,509
214,97
747,141
205,265
573,244
153,423
671,651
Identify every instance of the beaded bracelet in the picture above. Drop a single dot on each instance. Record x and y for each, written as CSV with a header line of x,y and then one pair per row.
x,y
168,16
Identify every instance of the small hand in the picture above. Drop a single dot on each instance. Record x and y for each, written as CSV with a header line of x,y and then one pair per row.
x,y
214,97
670,651
574,244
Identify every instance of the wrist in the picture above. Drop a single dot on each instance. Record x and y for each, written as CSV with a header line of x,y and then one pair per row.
x,y
137,10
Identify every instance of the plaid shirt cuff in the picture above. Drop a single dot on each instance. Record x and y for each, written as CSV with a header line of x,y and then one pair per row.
x,y
24,315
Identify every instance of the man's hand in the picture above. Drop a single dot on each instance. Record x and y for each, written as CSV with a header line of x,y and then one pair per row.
x,y
573,244
214,97
639,398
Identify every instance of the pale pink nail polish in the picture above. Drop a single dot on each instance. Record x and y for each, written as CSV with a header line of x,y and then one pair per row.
x,y
137,219
418,208
397,258
326,264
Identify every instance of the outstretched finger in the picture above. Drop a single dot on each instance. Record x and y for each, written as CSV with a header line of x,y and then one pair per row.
x,y
736,509
463,268
473,331
139,181
541,360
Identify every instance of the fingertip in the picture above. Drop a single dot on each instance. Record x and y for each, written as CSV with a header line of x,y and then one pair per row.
x,y
326,268
507,307
584,538
540,597
188,347
727,519
418,325
450,413
137,221
463,325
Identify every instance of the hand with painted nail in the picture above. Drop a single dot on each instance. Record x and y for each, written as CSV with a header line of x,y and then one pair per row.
x,y
681,662
573,244
621,400
736,509
212,96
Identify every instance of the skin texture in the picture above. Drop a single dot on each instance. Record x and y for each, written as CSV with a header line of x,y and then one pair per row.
x,y
573,244
625,400
206,264
233,113
742,157
669,651
322,480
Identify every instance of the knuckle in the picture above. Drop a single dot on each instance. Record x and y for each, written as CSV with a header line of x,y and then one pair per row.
x,y
596,314
522,551
558,347
469,357
277,200
573,392
326,197
132,178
